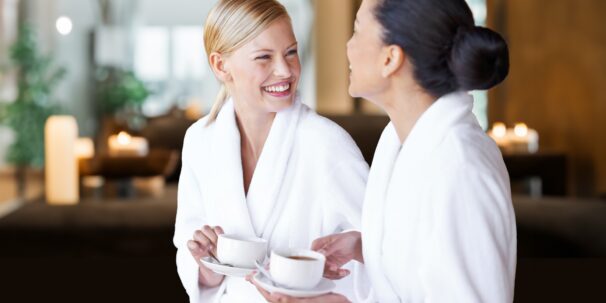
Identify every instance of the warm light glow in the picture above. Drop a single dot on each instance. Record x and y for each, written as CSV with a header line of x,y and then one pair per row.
x,y
194,110
64,25
124,138
124,144
85,148
521,130
499,129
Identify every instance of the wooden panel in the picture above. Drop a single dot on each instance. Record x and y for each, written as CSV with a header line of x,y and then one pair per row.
x,y
558,72
333,29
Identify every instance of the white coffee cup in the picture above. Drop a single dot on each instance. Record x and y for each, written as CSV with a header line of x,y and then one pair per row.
x,y
241,251
297,268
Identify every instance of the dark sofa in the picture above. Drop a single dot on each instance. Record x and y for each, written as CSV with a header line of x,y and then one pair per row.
x,y
121,251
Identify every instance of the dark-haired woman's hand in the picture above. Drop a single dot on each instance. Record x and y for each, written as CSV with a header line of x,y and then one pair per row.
x,y
339,249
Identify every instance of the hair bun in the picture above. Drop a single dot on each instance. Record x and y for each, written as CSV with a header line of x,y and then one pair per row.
x,y
479,58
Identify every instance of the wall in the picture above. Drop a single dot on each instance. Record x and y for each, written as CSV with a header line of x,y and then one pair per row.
x,y
70,52
332,31
558,73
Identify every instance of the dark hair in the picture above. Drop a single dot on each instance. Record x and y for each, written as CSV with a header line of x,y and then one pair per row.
x,y
448,52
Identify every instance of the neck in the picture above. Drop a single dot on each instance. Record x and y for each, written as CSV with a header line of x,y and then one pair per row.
x,y
404,106
254,127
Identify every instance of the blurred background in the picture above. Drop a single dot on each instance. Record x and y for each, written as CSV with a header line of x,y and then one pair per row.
x,y
96,96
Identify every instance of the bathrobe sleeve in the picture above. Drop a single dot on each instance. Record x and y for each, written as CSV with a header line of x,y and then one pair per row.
x,y
345,186
341,189
190,216
469,254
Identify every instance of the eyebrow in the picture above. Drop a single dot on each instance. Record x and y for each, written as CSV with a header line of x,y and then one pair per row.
x,y
271,50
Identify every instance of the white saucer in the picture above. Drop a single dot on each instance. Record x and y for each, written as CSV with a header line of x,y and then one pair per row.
x,y
325,286
227,270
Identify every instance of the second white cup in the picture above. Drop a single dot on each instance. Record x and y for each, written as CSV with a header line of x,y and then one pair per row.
x,y
297,268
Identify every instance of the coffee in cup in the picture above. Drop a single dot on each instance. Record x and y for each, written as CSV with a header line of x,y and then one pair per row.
x,y
302,258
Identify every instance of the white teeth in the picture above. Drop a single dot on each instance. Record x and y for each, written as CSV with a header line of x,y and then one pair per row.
x,y
277,88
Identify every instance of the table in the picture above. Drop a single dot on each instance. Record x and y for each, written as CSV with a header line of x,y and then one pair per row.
x,y
157,162
118,174
550,167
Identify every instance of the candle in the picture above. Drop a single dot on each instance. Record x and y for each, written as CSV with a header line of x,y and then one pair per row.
x,y
61,166
124,144
85,148
524,139
520,139
499,134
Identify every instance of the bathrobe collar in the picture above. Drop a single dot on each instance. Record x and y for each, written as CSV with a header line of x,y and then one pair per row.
x,y
254,214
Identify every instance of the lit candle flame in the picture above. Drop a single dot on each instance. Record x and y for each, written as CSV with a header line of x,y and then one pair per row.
x,y
521,130
499,129
124,138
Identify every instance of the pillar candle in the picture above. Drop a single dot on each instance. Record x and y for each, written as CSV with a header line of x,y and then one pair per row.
x,y
61,166
524,139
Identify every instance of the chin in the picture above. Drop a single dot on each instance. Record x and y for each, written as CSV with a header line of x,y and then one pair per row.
x,y
352,91
280,104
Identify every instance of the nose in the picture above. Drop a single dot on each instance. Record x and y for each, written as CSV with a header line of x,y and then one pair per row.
x,y
282,69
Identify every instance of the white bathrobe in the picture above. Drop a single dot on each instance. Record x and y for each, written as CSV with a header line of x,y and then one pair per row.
x,y
438,223
309,182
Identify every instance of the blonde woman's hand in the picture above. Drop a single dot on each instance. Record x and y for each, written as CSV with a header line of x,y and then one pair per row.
x,y
339,249
203,244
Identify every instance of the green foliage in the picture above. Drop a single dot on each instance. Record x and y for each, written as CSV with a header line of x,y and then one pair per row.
x,y
27,120
119,90
27,114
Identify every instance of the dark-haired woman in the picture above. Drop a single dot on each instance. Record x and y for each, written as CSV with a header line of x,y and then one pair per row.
x,y
438,223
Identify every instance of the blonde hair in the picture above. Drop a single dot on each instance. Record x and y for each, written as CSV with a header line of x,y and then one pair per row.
x,y
233,23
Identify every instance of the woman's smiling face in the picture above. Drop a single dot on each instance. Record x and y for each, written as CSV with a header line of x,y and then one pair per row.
x,y
264,73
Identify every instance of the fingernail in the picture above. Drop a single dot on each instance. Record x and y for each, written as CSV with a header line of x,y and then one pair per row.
x,y
322,251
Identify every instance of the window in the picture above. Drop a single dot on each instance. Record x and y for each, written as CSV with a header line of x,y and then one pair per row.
x,y
172,62
480,106
152,54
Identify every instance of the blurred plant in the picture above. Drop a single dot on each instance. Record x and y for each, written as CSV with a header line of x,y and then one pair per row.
x,y
26,115
121,94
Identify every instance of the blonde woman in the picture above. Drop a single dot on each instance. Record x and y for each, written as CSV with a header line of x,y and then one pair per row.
x,y
261,163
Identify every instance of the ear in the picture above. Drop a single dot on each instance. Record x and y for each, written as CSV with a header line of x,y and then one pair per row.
x,y
219,67
394,58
